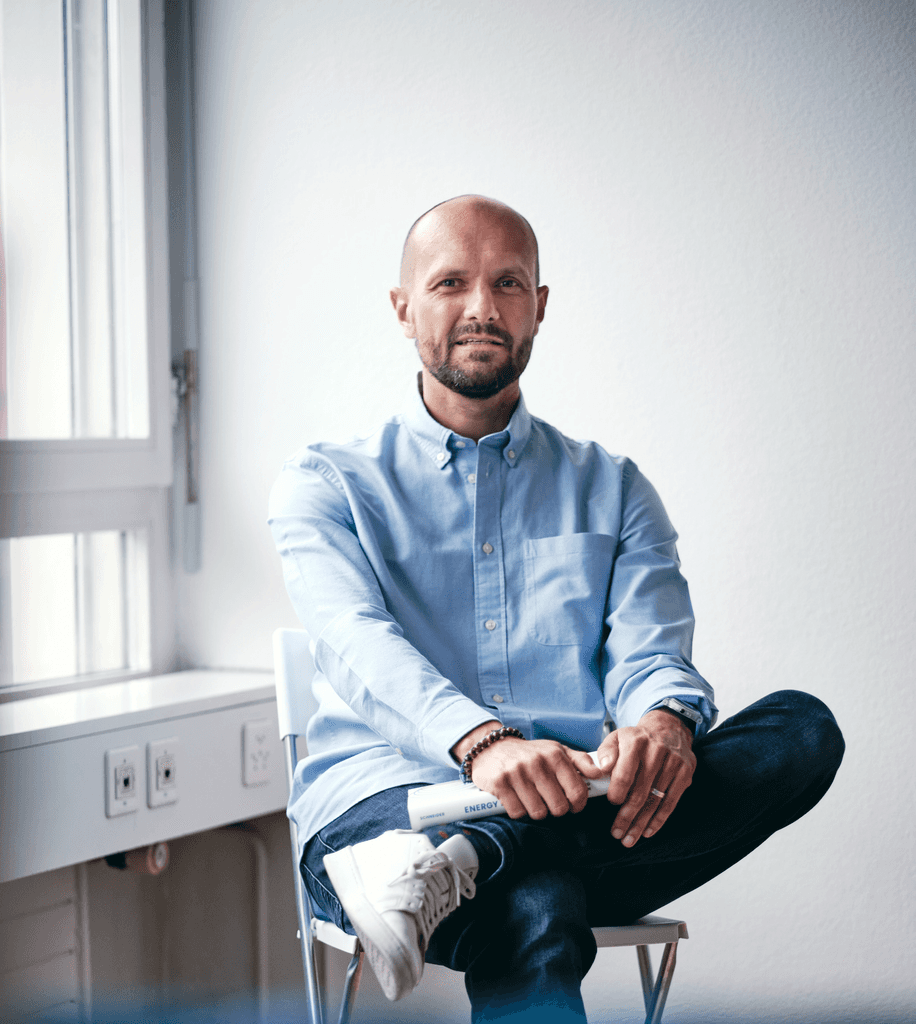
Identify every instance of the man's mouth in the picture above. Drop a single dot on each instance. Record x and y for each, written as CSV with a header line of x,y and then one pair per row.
x,y
481,335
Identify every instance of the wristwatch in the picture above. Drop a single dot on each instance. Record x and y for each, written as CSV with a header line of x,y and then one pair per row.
x,y
690,716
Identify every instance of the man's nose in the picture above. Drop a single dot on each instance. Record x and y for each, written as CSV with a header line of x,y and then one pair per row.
x,y
480,304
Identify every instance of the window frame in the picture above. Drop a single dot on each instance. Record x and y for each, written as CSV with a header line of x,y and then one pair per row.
x,y
86,484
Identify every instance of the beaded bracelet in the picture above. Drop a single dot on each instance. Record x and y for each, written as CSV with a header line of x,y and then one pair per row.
x,y
481,745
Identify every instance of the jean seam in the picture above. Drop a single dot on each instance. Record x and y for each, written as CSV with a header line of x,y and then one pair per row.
x,y
331,897
320,839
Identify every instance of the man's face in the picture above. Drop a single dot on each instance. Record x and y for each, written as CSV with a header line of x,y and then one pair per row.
x,y
469,297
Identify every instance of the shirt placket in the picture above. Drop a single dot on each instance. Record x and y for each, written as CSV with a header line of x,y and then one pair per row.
x,y
489,584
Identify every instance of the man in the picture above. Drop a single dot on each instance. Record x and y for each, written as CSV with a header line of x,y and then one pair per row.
x,y
482,591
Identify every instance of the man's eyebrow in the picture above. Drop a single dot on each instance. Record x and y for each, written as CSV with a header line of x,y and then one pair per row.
x,y
436,274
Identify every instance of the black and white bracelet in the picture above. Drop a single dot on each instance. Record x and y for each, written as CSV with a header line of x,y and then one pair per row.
x,y
481,745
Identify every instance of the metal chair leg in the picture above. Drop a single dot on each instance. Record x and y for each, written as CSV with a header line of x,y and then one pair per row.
x,y
351,987
645,976
303,909
662,984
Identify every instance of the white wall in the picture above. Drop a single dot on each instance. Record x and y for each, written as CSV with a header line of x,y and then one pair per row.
x,y
724,196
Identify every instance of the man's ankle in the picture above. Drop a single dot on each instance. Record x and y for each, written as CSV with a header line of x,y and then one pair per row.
x,y
489,857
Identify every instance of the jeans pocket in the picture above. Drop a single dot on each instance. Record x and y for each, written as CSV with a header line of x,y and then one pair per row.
x,y
566,586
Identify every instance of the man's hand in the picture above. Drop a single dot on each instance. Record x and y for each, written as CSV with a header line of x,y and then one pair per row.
x,y
533,777
656,755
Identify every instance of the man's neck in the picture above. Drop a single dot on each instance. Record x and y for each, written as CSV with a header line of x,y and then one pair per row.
x,y
469,417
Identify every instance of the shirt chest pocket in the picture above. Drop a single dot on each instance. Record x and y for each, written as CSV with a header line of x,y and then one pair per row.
x,y
566,587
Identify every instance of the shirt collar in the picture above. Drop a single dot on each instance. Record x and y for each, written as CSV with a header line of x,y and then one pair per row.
x,y
439,443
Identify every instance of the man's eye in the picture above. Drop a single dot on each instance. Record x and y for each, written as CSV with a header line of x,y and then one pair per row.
x,y
449,282
507,282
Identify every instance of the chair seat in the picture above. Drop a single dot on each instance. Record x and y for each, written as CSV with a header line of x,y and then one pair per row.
x,y
331,935
648,931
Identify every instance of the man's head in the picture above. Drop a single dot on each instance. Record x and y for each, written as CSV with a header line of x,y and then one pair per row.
x,y
469,294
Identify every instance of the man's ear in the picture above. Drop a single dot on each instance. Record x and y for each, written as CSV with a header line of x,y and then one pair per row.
x,y
542,293
401,303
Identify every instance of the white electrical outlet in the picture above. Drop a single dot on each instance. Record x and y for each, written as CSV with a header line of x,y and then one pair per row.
x,y
162,772
256,752
122,781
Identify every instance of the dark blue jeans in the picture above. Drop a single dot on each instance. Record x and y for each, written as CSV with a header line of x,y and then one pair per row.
x,y
524,942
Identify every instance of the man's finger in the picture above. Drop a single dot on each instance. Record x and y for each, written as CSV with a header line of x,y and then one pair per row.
x,y
560,784
513,805
538,803
569,777
609,752
623,775
638,796
584,764
665,809
659,794
663,798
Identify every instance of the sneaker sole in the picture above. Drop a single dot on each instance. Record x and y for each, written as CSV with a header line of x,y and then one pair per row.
x,y
382,946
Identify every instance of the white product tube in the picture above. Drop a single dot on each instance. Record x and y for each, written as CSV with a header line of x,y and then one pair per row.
x,y
463,801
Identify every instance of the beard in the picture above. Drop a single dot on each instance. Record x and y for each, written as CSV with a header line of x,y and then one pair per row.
x,y
483,380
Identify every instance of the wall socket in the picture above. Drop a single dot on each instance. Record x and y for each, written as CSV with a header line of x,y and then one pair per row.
x,y
122,781
162,772
256,752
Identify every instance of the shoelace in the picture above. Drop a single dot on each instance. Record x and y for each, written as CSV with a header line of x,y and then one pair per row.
x,y
445,884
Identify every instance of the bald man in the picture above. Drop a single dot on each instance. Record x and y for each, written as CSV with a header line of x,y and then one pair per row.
x,y
485,593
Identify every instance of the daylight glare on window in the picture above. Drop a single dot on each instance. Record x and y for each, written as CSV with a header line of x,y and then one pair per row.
x,y
78,604
71,163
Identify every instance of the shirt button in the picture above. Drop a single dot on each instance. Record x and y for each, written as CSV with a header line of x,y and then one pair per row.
x,y
459,444
490,624
488,548
497,699
440,456
472,478
510,453
397,750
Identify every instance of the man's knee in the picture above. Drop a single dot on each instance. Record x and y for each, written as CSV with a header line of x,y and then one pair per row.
x,y
778,748
812,745
782,749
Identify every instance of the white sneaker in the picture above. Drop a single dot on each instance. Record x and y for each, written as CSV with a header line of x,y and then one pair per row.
x,y
396,889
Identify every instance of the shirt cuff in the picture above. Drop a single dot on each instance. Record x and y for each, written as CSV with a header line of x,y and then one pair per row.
x,y
451,725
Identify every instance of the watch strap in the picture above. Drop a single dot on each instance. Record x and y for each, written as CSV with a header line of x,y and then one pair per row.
x,y
690,716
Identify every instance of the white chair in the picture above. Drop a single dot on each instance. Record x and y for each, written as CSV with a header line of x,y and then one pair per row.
x,y
295,705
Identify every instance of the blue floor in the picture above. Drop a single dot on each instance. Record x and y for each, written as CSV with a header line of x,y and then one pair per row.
x,y
290,1010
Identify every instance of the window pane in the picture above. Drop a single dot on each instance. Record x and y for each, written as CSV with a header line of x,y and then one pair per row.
x,y
79,604
43,599
71,190
33,176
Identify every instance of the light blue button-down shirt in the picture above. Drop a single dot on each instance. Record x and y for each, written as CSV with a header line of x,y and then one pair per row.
x,y
525,577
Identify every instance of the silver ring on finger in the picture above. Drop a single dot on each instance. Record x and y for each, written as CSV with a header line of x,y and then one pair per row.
x,y
658,793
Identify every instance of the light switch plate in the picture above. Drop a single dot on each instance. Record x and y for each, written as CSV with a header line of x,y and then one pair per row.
x,y
162,772
256,752
122,781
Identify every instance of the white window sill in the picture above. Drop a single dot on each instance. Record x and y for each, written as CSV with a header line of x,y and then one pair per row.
x,y
58,716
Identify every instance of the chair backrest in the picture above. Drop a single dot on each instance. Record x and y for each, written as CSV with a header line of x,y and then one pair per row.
x,y
293,670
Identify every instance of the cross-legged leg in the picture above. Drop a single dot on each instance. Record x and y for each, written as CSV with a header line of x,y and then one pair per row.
x,y
524,948
541,885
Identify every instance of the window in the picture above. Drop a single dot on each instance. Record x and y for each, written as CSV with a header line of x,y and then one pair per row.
x,y
85,438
